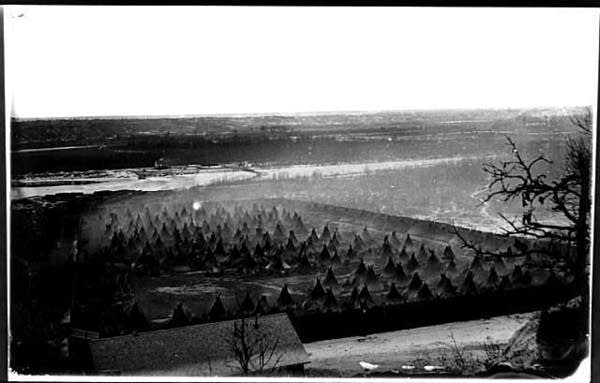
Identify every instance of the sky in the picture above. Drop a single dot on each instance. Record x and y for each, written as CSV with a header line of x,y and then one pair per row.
x,y
104,61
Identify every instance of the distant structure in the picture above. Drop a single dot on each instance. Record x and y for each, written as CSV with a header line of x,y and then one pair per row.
x,y
200,350
160,164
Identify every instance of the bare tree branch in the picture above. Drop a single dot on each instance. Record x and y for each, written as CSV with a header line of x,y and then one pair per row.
x,y
518,179
254,349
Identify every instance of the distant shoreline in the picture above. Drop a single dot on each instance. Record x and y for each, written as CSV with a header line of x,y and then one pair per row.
x,y
54,148
292,114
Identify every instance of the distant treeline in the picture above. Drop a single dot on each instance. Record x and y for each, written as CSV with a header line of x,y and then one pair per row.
x,y
86,131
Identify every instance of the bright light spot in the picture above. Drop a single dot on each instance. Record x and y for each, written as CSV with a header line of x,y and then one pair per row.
x,y
196,205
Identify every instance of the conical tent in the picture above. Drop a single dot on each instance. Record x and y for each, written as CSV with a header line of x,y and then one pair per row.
x,y
292,238
303,261
318,291
325,235
422,255
399,274
266,243
371,276
335,239
330,280
290,245
234,253
185,232
258,253
424,292
468,286
415,282
448,253
217,310
412,264
338,235
324,255
245,251
212,240
408,241
247,305
335,259
300,229
364,294
158,243
433,259
311,244
258,234
393,293
445,286
164,232
528,260
138,221
451,267
155,234
366,236
499,264
330,301
136,319
394,241
237,236
313,235
433,265
386,248
263,307
245,228
350,253
286,217
505,283
219,248
227,232
361,269
403,254
390,268
279,233
285,299
476,264
354,294
331,246
179,317
492,279
517,274
358,244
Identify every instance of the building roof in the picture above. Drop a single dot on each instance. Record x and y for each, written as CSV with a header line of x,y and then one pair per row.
x,y
200,350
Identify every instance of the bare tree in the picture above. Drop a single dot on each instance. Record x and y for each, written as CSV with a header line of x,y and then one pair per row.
x,y
254,349
520,180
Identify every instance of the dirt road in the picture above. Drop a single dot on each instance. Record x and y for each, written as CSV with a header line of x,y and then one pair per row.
x,y
392,350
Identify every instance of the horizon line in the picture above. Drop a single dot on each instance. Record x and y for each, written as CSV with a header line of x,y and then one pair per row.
x,y
291,114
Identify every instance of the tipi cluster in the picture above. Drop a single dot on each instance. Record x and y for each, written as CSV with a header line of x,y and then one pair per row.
x,y
347,270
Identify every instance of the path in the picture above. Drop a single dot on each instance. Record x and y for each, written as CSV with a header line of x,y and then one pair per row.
x,y
391,350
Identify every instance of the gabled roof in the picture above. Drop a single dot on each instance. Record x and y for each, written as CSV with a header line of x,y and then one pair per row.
x,y
200,350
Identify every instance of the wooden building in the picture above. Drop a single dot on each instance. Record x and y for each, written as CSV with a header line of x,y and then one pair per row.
x,y
201,350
